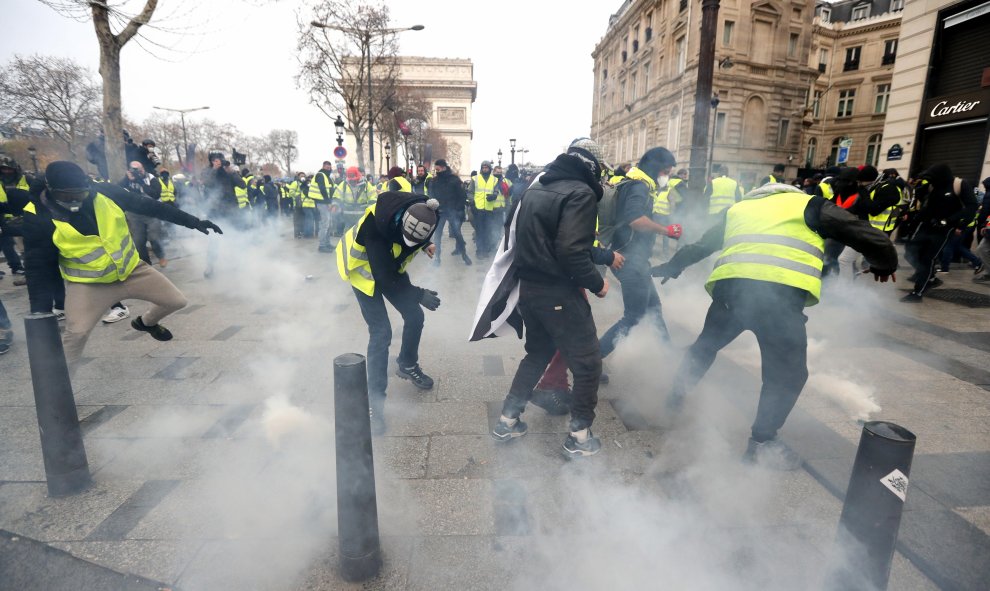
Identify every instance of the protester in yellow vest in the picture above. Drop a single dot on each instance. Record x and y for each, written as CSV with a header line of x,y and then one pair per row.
x,y
770,268
76,231
484,189
397,181
11,177
777,176
168,187
723,192
372,256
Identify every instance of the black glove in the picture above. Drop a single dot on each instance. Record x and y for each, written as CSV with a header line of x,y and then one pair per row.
x,y
205,226
665,270
492,196
429,299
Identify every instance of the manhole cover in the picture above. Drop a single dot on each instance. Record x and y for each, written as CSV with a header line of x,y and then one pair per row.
x,y
970,299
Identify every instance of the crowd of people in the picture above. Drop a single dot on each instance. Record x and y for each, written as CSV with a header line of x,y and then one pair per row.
x,y
548,233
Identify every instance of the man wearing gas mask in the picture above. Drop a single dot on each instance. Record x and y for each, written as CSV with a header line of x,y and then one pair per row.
x,y
855,192
372,256
944,204
67,230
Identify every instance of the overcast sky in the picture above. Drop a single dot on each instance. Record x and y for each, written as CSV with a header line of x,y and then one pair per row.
x,y
532,62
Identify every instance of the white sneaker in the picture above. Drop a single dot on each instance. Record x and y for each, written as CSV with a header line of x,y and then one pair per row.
x,y
116,315
59,314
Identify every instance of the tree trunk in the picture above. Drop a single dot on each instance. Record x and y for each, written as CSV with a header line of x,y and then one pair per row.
x,y
113,126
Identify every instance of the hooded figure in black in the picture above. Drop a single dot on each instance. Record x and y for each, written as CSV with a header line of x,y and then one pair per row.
x,y
554,237
372,256
946,203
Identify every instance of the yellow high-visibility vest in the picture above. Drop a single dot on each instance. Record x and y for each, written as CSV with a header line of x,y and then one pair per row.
x,y
21,184
766,239
404,185
503,200
314,188
242,194
661,201
482,189
168,191
353,265
827,191
885,220
724,192
107,257
364,194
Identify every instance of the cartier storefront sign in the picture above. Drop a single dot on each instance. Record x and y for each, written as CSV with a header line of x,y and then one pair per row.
x,y
956,107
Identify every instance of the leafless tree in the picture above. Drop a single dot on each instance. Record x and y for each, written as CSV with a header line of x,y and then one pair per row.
x,y
280,147
56,93
335,62
105,16
166,131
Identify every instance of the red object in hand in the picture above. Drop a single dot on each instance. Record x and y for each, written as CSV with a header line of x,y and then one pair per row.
x,y
675,230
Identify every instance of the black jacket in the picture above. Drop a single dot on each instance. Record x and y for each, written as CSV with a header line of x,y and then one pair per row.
x,y
41,254
449,191
152,188
218,189
555,227
942,204
385,230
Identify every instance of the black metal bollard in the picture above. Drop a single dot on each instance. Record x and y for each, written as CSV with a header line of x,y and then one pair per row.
x,y
357,505
871,514
62,446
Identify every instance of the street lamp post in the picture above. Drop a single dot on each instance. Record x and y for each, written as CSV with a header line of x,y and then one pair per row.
x,y
711,147
512,150
338,126
366,36
34,158
185,138
500,156
388,155
703,92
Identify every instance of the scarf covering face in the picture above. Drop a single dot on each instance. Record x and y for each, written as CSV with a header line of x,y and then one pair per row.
x,y
571,168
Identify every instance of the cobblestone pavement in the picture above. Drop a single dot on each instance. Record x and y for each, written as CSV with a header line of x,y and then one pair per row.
x,y
213,461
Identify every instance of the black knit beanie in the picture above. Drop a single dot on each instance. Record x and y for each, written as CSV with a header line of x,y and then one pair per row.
x,y
65,175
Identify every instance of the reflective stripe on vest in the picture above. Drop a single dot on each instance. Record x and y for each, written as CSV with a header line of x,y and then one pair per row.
x,y
168,190
724,192
353,264
766,239
107,257
314,188
482,189
661,203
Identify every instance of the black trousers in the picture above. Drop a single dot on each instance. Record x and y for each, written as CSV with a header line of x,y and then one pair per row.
x,y
557,317
404,297
922,251
779,326
455,230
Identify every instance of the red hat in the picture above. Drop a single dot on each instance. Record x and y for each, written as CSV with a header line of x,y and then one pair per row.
x,y
353,174
395,171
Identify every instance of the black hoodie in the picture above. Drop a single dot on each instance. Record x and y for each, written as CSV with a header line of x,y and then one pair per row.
x,y
943,203
384,231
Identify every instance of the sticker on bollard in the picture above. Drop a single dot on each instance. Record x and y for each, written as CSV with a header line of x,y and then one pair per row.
x,y
897,483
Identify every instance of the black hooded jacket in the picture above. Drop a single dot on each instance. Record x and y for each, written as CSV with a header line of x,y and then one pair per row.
x,y
555,227
384,231
448,190
943,203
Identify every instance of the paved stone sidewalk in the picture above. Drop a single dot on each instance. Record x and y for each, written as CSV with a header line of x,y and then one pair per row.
x,y
213,459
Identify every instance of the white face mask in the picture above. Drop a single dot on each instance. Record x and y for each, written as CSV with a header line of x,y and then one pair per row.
x,y
662,181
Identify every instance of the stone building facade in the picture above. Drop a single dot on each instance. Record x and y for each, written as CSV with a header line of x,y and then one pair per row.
x,y
853,48
646,69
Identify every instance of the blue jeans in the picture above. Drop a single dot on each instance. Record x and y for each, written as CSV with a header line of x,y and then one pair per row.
x,y
324,229
4,319
455,229
957,244
404,297
7,247
639,300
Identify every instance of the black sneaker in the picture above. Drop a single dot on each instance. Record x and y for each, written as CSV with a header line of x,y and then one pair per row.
x,y
503,432
912,298
466,259
157,332
936,282
415,375
17,272
573,449
773,454
978,269
555,402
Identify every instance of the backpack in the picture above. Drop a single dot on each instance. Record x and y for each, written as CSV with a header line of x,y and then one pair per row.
x,y
608,209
